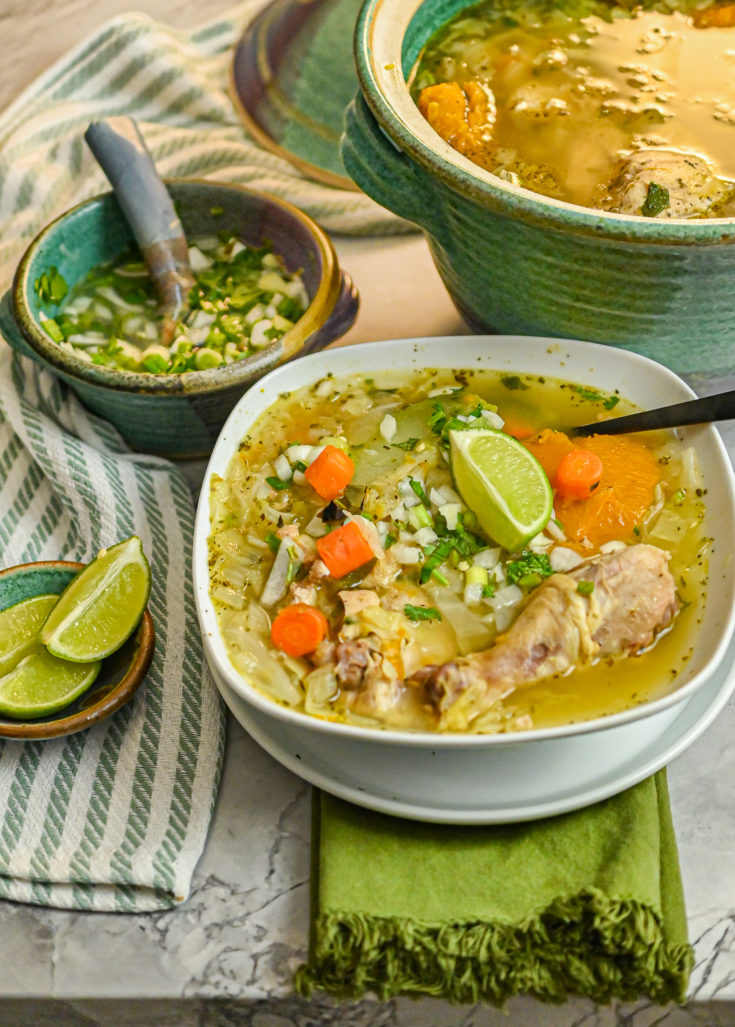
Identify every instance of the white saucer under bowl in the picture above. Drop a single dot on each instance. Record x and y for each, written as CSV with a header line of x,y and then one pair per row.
x,y
490,786
483,779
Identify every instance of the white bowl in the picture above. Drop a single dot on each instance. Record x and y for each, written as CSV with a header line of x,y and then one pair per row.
x,y
491,778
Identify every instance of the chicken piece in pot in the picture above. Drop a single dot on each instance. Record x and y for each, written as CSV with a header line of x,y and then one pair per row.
x,y
687,185
627,597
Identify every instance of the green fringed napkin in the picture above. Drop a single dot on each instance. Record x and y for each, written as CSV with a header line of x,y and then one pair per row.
x,y
588,903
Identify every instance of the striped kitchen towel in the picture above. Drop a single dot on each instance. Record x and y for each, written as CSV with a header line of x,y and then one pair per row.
x,y
116,817
175,84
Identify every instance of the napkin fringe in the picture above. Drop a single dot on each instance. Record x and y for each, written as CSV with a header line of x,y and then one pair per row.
x,y
548,957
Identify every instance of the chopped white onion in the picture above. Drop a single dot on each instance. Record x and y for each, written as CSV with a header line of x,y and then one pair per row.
x,y
553,529
472,594
388,427
612,547
282,467
487,558
277,583
425,536
296,454
493,419
406,554
258,337
562,559
450,512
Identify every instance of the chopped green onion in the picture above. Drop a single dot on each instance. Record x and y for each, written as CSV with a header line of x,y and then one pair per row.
x,y
277,484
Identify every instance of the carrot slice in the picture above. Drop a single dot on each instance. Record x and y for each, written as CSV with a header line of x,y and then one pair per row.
x,y
298,629
578,474
518,429
330,473
344,549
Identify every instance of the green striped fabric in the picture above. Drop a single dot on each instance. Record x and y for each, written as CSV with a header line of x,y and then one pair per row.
x,y
115,817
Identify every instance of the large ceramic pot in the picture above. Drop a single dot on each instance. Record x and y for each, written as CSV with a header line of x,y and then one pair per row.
x,y
517,262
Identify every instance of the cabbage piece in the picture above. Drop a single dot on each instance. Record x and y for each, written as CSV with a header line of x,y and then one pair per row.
x,y
471,631
254,658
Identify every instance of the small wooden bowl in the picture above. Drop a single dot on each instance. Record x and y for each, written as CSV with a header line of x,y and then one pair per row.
x,y
121,675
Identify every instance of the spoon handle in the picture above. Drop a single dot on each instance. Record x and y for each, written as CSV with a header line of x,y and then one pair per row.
x,y
719,407
144,199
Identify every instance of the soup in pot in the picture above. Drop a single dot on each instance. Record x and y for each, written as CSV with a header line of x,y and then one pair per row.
x,y
619,107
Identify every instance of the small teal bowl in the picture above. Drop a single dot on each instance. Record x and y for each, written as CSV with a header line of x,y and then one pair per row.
x,y
121,674
179,415
515,262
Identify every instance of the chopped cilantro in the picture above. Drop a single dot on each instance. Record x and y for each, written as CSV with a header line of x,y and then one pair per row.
x,y
657,199
529,569
421,612
585,588
610,402
488,590
436,555
407,444
418,488
273,541
390,540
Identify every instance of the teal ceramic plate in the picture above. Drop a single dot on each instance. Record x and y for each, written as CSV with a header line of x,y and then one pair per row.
x,y
118,680
292,76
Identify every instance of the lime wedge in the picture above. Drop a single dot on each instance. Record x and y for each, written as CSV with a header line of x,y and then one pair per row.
x,y
42,684
19,628
101,607
502,483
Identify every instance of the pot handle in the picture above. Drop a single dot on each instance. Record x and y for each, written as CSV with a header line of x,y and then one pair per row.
x,y
10,330
382,171
342,317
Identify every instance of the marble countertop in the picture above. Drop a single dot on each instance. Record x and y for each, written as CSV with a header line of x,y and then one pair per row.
x,y
227,955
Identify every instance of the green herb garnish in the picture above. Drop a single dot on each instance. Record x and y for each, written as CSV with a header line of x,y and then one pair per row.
x,y
418,488
421,612
657,199
277,484
585,588
529,569
407,444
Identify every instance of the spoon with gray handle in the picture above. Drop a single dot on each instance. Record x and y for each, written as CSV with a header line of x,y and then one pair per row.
x,y
124,157
720,407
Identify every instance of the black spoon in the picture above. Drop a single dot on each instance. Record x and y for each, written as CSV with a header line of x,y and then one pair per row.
x,y
720,407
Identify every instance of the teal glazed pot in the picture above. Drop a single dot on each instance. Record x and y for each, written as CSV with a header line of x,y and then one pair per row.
x,y
178,415
515,262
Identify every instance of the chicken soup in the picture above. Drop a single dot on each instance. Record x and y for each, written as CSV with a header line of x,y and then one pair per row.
x,y
625,107
436,551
